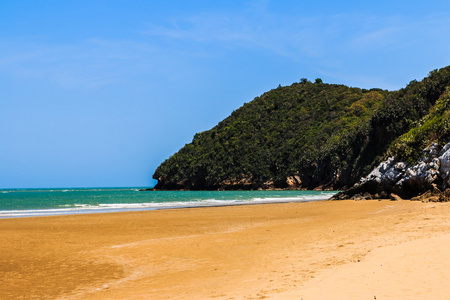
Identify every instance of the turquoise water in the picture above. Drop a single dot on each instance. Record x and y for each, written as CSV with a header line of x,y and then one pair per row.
x,y
43,202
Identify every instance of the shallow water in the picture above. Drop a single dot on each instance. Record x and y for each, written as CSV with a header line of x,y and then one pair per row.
x,y
44,202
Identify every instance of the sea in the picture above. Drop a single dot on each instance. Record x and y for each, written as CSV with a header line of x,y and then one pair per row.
x,y
16,203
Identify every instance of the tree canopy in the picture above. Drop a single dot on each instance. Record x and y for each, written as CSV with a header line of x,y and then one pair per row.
x,y
323,135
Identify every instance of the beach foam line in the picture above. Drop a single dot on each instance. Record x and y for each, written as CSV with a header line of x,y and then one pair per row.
x,y
123,207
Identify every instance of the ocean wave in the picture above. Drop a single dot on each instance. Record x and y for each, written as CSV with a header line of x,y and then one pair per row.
x,y
81,208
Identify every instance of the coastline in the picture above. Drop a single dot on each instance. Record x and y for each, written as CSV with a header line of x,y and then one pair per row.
x,y
54,213
277,251
27,203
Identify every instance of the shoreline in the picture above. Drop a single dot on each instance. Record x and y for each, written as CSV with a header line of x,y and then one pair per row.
x,y
28,213
125,210
277,251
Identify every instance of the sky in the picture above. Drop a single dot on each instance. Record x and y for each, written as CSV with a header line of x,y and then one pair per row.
x,y
98,93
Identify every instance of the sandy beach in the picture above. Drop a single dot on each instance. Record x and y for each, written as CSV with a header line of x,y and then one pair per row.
x,y
318,250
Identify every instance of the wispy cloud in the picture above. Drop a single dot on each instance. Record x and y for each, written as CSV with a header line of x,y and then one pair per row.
x,y
295,36
327,42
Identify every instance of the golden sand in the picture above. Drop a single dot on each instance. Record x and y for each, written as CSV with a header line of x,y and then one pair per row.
x,y
317,250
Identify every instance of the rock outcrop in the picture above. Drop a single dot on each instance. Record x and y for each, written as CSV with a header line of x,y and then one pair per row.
x,y
428,179
291,183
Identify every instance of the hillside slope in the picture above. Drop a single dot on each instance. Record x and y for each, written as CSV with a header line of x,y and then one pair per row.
x,y
418,163
303,136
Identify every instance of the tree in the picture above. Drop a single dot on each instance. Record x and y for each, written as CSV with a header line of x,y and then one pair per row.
x,y
318,80
304,80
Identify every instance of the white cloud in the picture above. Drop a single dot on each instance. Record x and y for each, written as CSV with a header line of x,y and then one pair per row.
x,y
326,42
295,36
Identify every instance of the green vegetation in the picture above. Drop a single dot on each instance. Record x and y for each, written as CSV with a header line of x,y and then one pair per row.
x,y
327,135
434,127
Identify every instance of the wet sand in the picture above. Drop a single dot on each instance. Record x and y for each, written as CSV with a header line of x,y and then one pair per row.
x,y
317,250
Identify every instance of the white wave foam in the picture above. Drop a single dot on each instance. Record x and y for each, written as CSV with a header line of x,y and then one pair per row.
x,y
116,207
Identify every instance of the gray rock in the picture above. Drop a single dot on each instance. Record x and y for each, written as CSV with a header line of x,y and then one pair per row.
x,y
431,173
386,174
379,173
444,166
422,174
430,152
444,149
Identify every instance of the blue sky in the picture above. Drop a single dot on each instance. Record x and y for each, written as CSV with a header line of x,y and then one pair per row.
x,y
99,93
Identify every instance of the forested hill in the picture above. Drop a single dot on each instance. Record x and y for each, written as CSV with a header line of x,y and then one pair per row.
x,y
303,136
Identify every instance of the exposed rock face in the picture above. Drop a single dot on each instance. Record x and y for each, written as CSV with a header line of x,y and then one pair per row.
x,y
291,183
430,174
294,181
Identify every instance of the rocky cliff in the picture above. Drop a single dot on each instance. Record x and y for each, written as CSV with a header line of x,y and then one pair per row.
x,y
429,178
